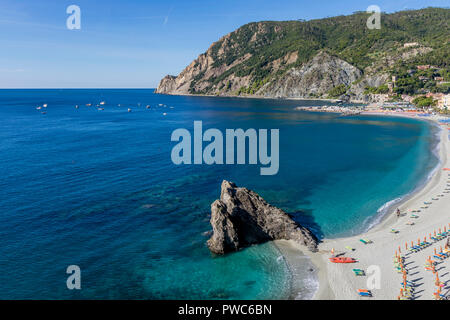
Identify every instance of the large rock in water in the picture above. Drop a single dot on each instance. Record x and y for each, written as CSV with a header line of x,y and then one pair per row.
x,y
241,218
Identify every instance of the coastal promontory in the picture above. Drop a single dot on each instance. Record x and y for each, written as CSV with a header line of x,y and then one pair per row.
x,y
241,218
333,58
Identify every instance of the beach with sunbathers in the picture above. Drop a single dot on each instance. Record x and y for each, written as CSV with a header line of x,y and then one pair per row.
x,y
405,257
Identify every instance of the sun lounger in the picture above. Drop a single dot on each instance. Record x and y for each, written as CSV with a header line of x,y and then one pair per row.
x,y
349,248
359,272
365,241
365,293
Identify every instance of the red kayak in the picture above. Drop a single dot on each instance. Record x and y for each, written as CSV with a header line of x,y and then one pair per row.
x,y
342,260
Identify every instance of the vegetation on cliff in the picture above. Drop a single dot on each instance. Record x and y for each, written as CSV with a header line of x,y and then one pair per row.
x,y
247,60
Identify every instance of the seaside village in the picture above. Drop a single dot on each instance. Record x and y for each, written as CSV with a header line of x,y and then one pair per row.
x,y
430,95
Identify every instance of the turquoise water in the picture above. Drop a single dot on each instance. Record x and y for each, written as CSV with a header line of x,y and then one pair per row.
x,y
98,189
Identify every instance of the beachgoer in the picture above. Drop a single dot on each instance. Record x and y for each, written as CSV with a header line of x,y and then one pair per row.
x,y
398,213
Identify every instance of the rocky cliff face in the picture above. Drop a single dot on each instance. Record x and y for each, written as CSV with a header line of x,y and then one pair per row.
x,y
315,78
241,218
325,58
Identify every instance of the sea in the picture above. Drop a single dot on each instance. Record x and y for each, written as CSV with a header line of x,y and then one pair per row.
x,y
95,187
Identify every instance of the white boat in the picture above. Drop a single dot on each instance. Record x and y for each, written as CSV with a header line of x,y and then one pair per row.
x,y
76,107
129,110
44,105
102,103
39,108
164,114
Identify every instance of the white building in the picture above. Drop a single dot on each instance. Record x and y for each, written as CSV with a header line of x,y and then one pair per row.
x,y
444,102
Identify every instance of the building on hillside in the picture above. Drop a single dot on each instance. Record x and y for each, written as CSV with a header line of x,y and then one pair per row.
x,y
394,80
444,102
423,67
390,87
410,44
407,98
435,96
438,78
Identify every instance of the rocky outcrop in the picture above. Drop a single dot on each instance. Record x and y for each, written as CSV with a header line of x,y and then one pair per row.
x,y
241,218
314,78
322,58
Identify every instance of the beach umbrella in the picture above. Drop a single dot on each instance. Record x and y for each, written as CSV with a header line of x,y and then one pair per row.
x,y
332,251
399,249
435,233
425,239
434,250
406,245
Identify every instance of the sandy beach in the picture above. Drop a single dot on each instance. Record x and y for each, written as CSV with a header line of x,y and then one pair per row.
x,y
338,281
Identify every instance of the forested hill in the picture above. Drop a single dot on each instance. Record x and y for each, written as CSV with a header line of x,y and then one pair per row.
x,y
329,57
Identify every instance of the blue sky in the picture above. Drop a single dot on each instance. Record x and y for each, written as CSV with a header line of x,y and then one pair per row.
x,y
134,43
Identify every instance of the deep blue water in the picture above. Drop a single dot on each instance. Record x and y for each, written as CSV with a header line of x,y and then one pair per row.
x,y
98,189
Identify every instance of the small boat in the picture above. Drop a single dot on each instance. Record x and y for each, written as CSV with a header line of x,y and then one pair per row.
x,y
76,107
89,104
342,260
129,110
38,108
148,107
102,103
164,114
44,105
100,109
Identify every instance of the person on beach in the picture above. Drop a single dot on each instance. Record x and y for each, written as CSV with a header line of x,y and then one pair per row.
x,y
398,213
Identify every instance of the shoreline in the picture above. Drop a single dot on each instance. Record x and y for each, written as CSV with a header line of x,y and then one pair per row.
x,y
258,97
381,251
